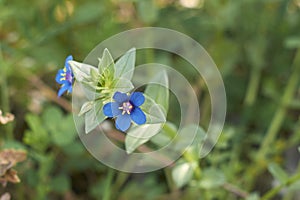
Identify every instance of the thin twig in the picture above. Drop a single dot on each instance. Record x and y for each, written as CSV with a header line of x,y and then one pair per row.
x,y
49,93
235,190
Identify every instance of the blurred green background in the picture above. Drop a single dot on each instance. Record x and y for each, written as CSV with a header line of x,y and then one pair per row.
x,y
253,42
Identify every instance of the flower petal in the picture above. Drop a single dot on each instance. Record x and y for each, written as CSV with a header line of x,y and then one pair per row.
x,y
111,109
70,57
138,116
137,98
123,122
120,97
70,89
63,88
59,76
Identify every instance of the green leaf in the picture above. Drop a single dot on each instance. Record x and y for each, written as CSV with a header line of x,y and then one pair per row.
x,y
253,196
292,42
123,85
13,144
94,75
159,91
52,117
37,137
87,13
167,133
278,173
106,63
60,127
81,71
94,116
60,184
184,139
182,173
87,106
87,76
212,178
138,135
147,11
154,112
294,186
74,149
124,67
65,132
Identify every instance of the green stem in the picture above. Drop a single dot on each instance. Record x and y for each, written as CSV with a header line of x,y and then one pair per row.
x,y
170,182
5,96
253,86
169,130
276,122
282,109
120,180
108,184
149,55
277,189
190,159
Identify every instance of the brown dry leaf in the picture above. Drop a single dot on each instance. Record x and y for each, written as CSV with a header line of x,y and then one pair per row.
x,y
7,118
5,196
8,159
12,156
4,167
10,176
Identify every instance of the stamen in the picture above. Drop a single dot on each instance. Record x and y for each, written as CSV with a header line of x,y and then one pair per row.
x,y
127,107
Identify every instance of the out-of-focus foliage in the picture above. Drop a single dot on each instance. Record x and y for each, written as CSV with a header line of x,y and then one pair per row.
x,y
253,42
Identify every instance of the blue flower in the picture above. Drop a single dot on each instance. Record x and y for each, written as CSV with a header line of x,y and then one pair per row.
x,y
65,77
126,108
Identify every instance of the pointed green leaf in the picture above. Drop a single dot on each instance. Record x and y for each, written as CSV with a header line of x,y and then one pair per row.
x,y
95,75
94,117
138,135
212,178
123,85
124,67
154,112
159,91
106,63
81,71
87,106
182,173
278,173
